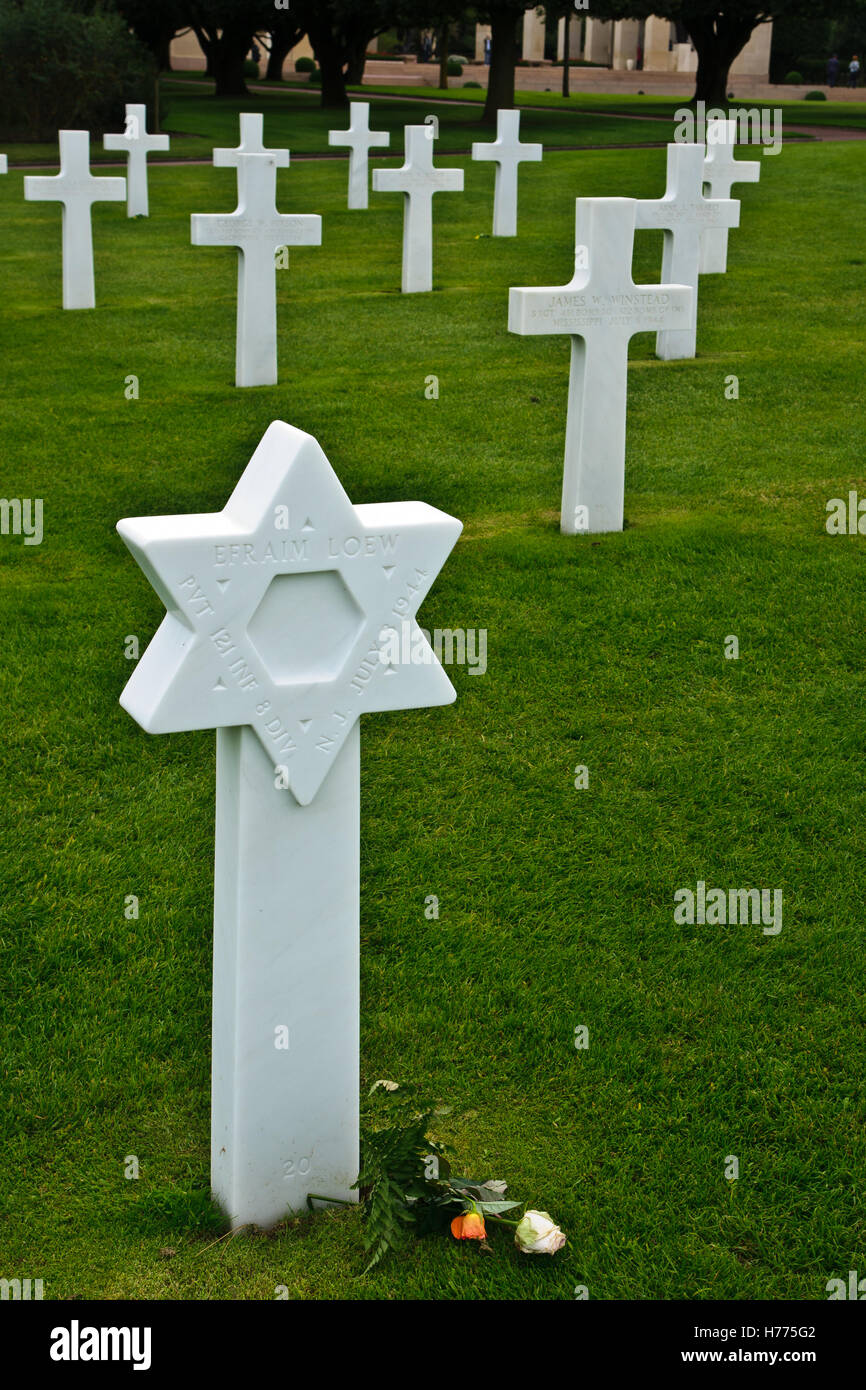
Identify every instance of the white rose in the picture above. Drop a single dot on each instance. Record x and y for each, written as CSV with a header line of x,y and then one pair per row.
x,y
537,1234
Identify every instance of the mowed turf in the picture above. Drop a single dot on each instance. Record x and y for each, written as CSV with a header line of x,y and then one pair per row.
x,y
555,904
195,122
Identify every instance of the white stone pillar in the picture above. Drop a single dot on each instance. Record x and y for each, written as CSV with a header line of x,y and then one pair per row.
x,y
598,44
533,37
626,37
656,45
754,60
575,38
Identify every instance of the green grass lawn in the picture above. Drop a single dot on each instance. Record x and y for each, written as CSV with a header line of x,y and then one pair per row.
x,y
556,904
850,115
294,116
197,122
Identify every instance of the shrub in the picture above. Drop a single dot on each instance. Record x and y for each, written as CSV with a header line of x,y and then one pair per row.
x,y
305,65
251,68
471,84
815,96
455,69
813,69
64,69
315,78
794,79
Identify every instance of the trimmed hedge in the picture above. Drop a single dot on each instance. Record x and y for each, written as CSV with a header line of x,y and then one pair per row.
x,y
813,69
67,70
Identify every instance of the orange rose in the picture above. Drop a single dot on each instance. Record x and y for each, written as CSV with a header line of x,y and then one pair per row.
x,y
468,1226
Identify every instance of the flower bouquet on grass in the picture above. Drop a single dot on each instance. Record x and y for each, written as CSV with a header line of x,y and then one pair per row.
x,y
407,1186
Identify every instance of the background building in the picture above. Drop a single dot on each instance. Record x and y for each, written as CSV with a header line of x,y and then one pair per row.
x,y
655,45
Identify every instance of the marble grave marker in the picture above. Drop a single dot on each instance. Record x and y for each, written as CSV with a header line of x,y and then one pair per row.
x,y
601,308
258,231
138,143
508,153
77,189
252,142
417,179
685,215
721,172
360,139
278,609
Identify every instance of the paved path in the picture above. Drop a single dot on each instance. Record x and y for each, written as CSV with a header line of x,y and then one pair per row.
x,y
548,77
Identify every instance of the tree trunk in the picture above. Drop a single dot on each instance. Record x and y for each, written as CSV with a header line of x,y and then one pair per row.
x,y
281,47
225,54
566,44
503,56
442,42
330,57
711,83
229,54
206,44
333,79
717,42
357,62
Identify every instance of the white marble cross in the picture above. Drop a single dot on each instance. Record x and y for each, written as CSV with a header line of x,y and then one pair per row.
x,y
4,164
258,231
252,142
360,139
278,608
721,172
685,215
138,141
508,152
600,308
77,189
418,180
